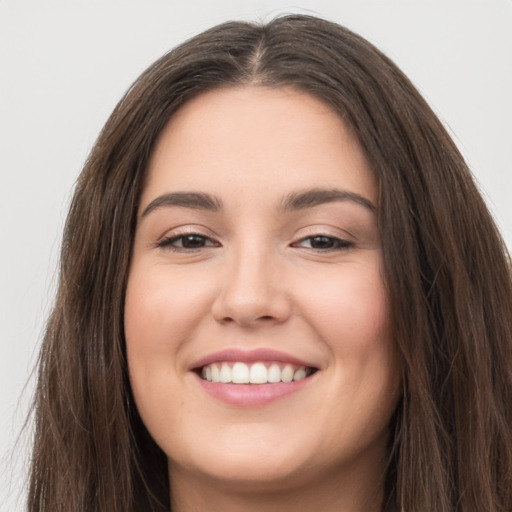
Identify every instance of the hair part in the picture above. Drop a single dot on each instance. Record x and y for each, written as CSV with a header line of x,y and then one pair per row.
x,y
446,270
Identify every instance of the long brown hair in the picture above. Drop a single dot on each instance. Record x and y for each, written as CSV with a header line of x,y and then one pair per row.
x,y
446,269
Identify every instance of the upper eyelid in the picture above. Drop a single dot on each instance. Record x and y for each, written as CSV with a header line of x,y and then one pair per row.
x,y
312,231
325,235
187,230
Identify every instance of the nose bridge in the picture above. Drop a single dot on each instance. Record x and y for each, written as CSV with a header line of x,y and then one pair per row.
x,y
250,290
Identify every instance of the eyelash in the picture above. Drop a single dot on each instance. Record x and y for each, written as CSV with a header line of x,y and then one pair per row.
x,y
167,243
336,244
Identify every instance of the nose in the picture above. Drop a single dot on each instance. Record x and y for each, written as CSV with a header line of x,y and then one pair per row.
x,y
252,292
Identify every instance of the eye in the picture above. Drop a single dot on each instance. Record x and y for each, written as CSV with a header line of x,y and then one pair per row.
x,y
323,243
187,242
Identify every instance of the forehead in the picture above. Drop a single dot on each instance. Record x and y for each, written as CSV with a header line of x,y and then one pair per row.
x,y
255,139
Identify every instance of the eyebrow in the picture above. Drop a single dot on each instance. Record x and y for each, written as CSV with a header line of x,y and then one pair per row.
x,y
294,201
195,200
317,196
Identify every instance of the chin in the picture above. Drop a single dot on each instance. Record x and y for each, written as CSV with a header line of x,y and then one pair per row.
x,y
252,463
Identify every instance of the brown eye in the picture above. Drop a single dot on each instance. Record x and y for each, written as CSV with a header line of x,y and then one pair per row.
x,y
185,242
193,241
324,243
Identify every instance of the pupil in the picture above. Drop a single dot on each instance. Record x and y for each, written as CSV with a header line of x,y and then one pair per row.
x,y
321,242
193,241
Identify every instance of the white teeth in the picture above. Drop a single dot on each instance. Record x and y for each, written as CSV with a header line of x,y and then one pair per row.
x,y
255,373
240,373
258,374
287,373
299,374
215,373
225,374
274,373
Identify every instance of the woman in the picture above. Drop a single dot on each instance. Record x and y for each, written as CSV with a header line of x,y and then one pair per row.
x,y
279,288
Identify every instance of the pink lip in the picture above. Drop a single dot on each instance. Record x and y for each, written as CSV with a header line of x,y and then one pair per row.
x,y
250,395
248,356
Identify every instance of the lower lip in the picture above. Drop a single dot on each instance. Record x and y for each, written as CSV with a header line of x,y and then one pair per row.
x,y
251,395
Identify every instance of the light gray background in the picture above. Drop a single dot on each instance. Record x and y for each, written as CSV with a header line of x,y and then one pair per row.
x,y
64,65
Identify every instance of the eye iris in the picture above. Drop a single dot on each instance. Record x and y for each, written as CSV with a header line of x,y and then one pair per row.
x,y
193,241
322,242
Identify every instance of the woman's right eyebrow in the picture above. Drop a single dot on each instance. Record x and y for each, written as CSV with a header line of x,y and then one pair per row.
x,y
195,200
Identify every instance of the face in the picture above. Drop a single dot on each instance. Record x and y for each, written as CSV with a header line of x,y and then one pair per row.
x,y
256,315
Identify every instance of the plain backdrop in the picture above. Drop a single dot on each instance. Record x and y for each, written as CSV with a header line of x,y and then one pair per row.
x,y
64,65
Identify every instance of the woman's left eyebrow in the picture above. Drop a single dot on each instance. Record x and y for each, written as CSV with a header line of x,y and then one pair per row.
x,y
317,196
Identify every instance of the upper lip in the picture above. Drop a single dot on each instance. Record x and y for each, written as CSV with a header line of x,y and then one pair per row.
x,y
249,356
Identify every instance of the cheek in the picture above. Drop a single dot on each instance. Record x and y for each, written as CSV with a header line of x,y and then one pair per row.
x,y
350,312
162,312
161,309
349,309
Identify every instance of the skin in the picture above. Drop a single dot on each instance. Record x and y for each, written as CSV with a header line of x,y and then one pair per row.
x,y
257,278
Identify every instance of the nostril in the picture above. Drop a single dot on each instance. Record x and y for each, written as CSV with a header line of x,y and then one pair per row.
x,y
246,321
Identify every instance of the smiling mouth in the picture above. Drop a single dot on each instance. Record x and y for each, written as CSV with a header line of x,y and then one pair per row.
x,y
257,372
